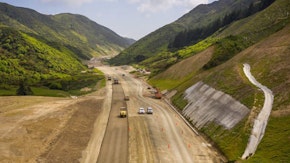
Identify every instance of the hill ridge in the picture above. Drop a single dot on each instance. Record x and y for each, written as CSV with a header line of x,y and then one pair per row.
x,y
103,41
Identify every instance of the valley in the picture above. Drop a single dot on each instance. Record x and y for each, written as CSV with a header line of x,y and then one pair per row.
x,y
57,104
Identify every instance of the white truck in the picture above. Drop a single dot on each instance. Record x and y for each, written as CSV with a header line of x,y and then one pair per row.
x,y
149,110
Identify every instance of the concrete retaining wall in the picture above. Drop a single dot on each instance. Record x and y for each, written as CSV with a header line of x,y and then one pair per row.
x,y
205,105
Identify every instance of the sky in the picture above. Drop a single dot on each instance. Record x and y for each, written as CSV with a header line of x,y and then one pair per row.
x,y
128,18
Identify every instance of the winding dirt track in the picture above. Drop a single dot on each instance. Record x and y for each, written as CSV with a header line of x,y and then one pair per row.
x,y
261,121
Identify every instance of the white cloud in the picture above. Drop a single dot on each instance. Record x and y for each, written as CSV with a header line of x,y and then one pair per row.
x,y
134,1
154,6
68,2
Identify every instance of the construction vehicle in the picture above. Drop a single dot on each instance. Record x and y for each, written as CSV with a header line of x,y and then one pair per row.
x,y
158,94
123,112
126,98
116,81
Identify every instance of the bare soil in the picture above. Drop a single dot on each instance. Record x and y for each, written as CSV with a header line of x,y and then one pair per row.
x,y
45,129
76,133
115,142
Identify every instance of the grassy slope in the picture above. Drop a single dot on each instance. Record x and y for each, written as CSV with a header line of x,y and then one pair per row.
x,y
157,41
76,32
269,60
90,34
270,65
45,53
25,58
182,71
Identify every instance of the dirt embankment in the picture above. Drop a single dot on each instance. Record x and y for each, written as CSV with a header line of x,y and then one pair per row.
x,y
75,135
44,129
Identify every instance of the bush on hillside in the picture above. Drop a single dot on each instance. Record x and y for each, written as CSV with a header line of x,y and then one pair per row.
x,y
24,90
225,49
55,85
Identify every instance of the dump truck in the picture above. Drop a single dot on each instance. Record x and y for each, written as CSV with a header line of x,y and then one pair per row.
x,y
158,94
123,112
126,98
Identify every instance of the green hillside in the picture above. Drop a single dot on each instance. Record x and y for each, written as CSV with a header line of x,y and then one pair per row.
x,y
78,33
262,40
190,42
158,41
43,54
84,32
26,60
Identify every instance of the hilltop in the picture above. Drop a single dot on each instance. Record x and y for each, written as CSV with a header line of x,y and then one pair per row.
x,y
71,30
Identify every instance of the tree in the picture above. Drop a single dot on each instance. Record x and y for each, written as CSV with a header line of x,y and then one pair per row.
x,y
139,58
23,90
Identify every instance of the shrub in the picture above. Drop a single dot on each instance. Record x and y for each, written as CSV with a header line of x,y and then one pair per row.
x,y
55,85
24,90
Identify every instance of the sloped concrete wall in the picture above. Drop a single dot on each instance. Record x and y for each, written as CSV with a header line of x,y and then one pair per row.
x,y
205,104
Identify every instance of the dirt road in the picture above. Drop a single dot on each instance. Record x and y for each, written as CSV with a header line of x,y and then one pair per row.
x,y
115,143
44,129
163,136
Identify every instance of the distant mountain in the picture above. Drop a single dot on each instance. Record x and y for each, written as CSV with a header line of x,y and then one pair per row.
x,y
74,31
158,40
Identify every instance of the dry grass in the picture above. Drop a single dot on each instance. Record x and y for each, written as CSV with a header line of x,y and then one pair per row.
x,y
187,66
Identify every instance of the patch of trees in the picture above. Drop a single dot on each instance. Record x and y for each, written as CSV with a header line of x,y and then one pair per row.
x,y
139,58
193,36
74,82
225,49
